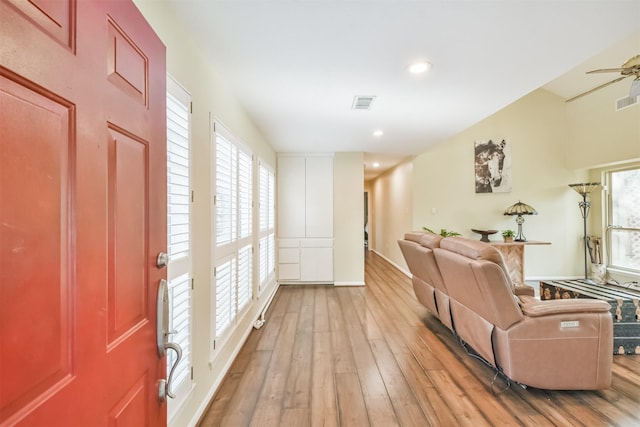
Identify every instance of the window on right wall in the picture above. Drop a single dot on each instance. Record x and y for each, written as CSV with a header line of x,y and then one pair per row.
x,y
623,220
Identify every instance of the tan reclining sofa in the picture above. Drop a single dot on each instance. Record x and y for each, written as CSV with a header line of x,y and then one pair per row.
x,y
556,345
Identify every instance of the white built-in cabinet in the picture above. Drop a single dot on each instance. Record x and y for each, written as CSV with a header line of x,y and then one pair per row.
x,y
305,218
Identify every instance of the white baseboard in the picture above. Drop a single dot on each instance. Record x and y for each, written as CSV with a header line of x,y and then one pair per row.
x,y
349,284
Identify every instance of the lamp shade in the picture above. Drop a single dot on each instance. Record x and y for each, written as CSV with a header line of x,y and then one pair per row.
x,y
520,209
585,187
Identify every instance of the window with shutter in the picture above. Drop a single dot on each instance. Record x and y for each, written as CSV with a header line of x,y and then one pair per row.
x,y
233,225
179,270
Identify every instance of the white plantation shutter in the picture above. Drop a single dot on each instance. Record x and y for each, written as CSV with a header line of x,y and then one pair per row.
x,y
271,264
266,253
226,191
264,197
244,194
179,271
233,229
225,295
264,260
177,178
180,322
244,277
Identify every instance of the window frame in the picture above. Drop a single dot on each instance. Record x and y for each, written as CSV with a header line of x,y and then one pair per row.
x,y
180,269
242,235
609,227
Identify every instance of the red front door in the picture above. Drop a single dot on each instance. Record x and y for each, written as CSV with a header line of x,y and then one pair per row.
x,y
82,213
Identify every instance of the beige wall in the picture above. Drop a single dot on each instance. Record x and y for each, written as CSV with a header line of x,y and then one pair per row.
x,y
348,208
599,135
391,202
210,98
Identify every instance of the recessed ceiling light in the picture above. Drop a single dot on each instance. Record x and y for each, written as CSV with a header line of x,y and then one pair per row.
x,y
376,165
378,132
419,67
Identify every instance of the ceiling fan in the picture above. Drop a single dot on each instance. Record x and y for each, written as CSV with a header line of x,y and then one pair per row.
x,y
630,68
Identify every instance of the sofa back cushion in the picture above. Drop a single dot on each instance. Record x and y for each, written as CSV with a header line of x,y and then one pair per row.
x,y
430,240
414,236
476,277
476,249
420,258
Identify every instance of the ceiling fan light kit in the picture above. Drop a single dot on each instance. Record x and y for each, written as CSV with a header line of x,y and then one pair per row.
x,y
635,88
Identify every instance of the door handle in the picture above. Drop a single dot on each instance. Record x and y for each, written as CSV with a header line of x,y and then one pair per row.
x,y
162,308
164,388
162,260
162,340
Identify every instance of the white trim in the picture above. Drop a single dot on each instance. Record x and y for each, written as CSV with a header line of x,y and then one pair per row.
x,y
349,284
540,278
622,275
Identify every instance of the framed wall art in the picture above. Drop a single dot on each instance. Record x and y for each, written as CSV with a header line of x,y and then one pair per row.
x,y
493,166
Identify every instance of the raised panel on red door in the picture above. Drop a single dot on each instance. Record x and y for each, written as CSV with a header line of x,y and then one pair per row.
x,y
36,249
82,213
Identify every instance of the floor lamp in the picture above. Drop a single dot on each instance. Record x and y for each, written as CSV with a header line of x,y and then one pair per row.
x,y
584,189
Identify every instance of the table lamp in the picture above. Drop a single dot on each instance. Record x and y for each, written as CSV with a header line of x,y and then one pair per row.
x,y
520,209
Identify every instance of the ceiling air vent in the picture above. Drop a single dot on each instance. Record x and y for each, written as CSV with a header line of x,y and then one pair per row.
x,y
362,102
626,102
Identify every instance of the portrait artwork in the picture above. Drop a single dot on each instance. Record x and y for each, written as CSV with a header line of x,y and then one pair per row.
x,y
493,166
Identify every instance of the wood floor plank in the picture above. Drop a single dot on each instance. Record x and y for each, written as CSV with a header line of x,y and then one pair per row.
x,y
405,404
341,354
433,406
324,410
321,310
352,409
298,387
241,406
295,417
463,409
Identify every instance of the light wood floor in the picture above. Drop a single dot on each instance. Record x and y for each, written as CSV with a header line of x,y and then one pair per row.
x,y
372,355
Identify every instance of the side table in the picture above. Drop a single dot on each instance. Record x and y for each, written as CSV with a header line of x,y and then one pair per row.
x,y
513,254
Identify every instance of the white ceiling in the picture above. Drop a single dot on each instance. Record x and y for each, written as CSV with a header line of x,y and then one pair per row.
x,y
296,65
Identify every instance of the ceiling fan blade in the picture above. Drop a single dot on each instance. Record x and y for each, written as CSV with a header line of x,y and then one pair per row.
x,y
606,70
597,88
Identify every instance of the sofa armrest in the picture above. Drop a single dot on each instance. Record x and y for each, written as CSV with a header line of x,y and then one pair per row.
x,y
523,290
544,308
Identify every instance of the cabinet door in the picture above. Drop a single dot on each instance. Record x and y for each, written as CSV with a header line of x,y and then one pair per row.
x,y
291,196
316,264
319,197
